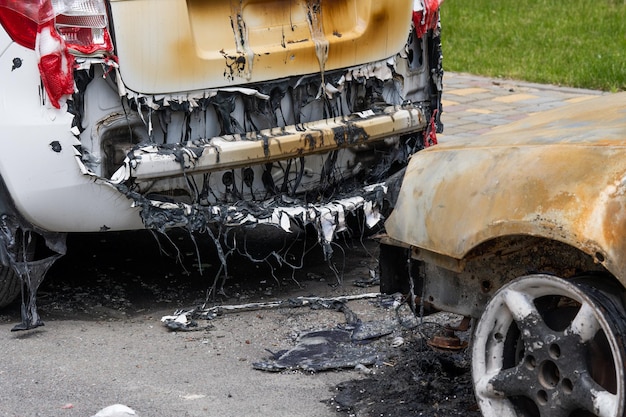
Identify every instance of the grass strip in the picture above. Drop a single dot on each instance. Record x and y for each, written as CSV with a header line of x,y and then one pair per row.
x,y
577,43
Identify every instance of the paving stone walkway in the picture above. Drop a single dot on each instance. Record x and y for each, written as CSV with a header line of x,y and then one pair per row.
x,y
473,105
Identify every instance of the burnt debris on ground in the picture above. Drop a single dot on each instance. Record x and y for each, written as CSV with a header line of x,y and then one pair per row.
x,y
344,345
95,283
419,381
122,275
184,317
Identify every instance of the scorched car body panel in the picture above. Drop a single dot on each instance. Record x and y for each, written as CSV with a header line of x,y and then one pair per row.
x,y
560,175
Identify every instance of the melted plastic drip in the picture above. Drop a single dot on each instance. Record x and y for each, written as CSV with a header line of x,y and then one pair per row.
x,y
222,223
246,56
16,240
32,274
239,110
314,17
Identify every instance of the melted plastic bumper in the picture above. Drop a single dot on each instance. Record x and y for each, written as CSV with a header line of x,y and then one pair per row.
x,y
232,151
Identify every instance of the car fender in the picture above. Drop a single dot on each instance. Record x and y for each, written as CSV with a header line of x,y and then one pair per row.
x,y
561,176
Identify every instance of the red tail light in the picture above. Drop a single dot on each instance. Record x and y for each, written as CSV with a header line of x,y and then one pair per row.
x,y
82,24
425,15
57,30
21,18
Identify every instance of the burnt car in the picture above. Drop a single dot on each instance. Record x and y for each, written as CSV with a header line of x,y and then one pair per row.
x,y
204,115
523,230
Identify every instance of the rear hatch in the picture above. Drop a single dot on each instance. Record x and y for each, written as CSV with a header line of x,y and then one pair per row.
x,y
170,46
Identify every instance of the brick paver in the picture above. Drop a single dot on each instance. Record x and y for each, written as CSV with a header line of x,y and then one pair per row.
x,y
474,105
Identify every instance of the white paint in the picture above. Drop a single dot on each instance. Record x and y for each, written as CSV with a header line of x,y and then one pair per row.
x,y
585,324
605,404
519,303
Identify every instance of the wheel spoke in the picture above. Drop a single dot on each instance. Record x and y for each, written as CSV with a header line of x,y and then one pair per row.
x,y
520,305
505,383
585,324
484,387
606,403
596,399
512,382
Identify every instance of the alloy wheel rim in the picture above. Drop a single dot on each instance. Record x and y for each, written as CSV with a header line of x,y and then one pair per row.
x,y
545,346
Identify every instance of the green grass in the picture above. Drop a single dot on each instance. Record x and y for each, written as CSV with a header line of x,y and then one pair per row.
x,y
577,43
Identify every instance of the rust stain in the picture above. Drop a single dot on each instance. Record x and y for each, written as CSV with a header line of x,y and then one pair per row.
x,y
614,222
551,196
564,180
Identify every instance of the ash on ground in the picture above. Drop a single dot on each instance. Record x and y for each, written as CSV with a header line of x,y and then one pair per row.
x,y
419,381
124,279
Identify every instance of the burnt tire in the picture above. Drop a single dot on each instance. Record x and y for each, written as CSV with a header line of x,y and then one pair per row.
x,y
10,285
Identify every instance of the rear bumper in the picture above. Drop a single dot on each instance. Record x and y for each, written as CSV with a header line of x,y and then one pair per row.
x,y
233,151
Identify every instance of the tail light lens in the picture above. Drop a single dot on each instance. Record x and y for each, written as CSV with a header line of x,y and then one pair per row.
x,y
21,19
82,24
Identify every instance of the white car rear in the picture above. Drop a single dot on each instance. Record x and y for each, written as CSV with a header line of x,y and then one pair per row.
x,y
130,114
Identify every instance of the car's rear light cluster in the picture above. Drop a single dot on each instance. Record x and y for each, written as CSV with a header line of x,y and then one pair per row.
x,y
425,15
82,24
57,30
21,19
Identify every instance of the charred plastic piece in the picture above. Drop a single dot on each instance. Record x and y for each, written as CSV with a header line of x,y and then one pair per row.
x,y
18,262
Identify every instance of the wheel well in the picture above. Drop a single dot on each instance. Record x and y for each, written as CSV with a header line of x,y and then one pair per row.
x,y
512,256
489,266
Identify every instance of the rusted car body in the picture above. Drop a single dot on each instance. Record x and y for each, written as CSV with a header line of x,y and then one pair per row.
x,y
524,229
133,114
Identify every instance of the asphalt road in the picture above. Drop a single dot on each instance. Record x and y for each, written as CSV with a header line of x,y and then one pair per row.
x,y
103,342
